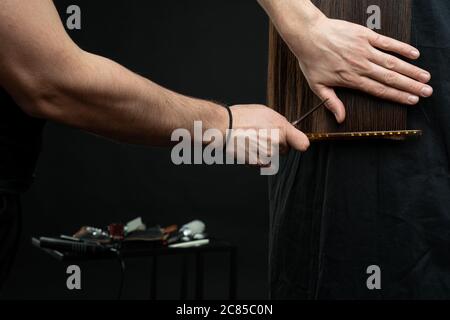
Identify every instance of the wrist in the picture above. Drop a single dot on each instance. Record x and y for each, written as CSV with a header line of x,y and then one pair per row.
x,y
294,19
219,119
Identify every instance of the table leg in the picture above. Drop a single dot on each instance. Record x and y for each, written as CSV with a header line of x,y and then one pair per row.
x,y
184,277
233,273
199,265
154,278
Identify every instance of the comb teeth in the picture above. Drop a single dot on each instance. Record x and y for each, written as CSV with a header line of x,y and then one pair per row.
x,y
395,135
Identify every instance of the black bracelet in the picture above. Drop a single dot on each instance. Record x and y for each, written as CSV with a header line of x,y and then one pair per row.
x,y
230,126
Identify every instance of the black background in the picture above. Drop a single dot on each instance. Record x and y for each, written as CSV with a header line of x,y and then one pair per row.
x,y
209,49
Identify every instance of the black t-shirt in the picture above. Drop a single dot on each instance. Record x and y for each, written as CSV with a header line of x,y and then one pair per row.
x,y
20,144
345,206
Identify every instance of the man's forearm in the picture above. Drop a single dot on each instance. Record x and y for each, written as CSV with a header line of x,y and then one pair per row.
x,y
102,97
49,76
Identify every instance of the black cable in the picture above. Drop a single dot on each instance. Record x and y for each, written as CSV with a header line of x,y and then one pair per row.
x,y
122,271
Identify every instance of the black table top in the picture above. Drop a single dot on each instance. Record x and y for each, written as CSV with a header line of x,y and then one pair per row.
x,y
138,252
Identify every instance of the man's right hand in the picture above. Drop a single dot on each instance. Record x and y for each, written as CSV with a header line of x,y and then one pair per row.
x,y
258,118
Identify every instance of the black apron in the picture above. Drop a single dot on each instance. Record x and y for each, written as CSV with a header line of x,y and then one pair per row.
x,y
344,206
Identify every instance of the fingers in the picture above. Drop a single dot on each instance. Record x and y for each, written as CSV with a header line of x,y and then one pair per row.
x,y
296,139
334,104
388,44
383,91
395,64
398,81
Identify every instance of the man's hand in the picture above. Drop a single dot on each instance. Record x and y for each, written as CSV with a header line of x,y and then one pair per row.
x,y
257,119
336,53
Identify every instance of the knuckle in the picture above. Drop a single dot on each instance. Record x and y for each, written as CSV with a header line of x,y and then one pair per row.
x,y
371,71
390,63
346,77
384,43
364,50
357,60
364,34
415,88
390,78
379,91
360,65
365,67
375,36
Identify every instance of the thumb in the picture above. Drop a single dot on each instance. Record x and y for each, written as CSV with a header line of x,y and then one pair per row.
x,y
296,139
334,104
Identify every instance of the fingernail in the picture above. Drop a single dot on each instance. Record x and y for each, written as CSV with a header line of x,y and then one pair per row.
x,y
426,91
415,53
425,77
413,99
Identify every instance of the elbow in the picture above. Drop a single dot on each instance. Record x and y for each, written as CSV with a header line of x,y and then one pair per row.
x,y
46,92
36,105
40,100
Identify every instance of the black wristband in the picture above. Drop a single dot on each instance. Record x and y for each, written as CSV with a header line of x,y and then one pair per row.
x,y
230,126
